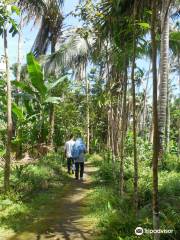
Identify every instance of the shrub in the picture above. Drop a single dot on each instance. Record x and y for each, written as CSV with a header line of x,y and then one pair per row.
x,y
108,173
37,175
172,162
169,183
96,159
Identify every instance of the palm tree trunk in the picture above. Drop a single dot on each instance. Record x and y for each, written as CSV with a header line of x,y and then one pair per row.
x,y
109,130
155,123
87,110
134,118
18,75
9,118
179,120
51,124
20,42
144,126
112,133
116,129
123,132
164,71
168,120
52,108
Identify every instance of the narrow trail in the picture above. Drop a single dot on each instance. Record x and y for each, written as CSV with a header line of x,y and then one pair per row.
x,y
66,217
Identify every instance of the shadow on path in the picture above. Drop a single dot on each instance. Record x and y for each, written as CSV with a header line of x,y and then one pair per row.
x,y
65,218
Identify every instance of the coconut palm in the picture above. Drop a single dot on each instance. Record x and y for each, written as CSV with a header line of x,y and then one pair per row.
x,y
164,70
155,121
73,54
72,51
48,12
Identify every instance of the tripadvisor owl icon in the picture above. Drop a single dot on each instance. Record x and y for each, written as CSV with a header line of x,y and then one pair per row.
x,y
139,231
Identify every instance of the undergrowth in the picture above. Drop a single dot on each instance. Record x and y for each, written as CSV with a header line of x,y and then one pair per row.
x,y
114,213
32,187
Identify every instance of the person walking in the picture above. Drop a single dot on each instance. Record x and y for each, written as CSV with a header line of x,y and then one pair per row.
x,y
78,153
68,153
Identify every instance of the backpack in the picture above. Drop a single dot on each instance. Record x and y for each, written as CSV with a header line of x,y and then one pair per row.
x,y
78,148
75,151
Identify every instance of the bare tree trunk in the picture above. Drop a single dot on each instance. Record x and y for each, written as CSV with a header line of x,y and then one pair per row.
x,y
87,110
112,133
109,131
144,126
52,108
119,115
155,123
20,42
51,124
123,132
179,119
134,118
7,167
116,130
18,75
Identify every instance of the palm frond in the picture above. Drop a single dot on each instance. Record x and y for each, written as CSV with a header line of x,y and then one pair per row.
x,y
34,7
49,12
72,52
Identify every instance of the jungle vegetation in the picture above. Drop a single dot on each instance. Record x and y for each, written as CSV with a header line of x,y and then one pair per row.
x,y
115,80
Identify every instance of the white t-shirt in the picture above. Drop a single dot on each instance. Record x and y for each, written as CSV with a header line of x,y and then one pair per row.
x,y
68,148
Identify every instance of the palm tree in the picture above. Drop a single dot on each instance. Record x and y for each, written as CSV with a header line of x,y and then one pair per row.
x,y
49,11
134,113
9,116
6,20
73,54
123,128
155,121
50,29
20,41
18,77
164,70
34,8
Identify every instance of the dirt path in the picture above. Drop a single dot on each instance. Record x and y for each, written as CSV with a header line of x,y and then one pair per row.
x,y
64,219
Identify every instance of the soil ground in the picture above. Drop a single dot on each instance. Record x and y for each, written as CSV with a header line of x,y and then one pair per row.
x,y
65,218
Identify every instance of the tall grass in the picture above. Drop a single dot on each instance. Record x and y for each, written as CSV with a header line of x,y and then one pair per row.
x,y
114,213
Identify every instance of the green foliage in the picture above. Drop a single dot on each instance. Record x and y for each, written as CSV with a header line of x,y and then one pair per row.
x,y
36,175
106,42
32,186
114,214
169,184
175,41
108,173
144,25
36,95
36,75
171,162
6,12
18,112
96,159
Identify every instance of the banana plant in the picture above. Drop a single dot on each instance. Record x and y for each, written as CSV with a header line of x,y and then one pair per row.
x,y
36,95
39,89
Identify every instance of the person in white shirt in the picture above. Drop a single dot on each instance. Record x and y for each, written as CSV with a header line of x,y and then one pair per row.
x,y
68,149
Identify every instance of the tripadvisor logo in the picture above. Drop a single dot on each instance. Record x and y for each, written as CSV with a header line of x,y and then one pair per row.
x,y
139,231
